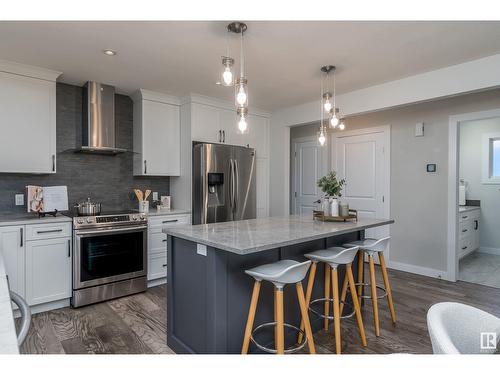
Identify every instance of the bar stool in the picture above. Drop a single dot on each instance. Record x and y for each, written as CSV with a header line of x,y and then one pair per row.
x,y
372,246
334,257
280,274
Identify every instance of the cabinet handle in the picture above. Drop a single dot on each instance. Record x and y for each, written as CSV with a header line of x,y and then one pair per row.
x,y
49,231
220,135
53,163
164,265
464,217
476,224
21,241
465,247
145,167
223,136
69,248
464,230
170,221
165,240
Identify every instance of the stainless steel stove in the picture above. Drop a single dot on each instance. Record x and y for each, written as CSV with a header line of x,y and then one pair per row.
x,y
110,257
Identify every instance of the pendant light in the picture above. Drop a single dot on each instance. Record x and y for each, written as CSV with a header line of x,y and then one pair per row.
x,y
227,75
241,83
328,105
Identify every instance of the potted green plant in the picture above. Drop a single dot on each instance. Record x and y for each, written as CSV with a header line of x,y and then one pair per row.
x,y
332,187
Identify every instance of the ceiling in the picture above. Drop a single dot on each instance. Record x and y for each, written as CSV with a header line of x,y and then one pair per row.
x,y
282,58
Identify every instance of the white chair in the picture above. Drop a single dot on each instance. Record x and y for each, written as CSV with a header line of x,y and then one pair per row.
x,y
456,328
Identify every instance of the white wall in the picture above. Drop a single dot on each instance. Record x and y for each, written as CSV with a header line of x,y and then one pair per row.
x,y
471,133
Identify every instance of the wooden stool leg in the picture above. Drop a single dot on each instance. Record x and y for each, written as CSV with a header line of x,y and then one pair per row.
x,y
275,319
343,294
373,285
387,286
280,342
361,271
336,310
251,317
327,295
305,318
355,302
310,283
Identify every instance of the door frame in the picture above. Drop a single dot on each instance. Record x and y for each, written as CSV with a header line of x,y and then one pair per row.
x,y
386,131
453,175
293,172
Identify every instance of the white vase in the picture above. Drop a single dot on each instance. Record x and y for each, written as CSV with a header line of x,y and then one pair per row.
x,y
334,207
325,206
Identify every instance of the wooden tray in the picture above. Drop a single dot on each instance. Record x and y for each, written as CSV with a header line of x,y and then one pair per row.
x,y
319,215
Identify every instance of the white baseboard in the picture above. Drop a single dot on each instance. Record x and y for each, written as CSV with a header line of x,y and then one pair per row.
x,y
424,271
157,282
489,250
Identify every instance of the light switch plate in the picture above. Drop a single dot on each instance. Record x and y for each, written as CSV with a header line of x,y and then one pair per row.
x,y
19,199
155,195
201,249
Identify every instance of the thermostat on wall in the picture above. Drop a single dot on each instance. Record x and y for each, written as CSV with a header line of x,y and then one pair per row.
x,y
431,168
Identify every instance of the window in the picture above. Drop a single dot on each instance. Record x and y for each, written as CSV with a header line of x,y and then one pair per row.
x,y
491,158
496,158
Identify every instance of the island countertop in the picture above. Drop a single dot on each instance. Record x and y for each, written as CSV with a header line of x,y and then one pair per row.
x,y
255,235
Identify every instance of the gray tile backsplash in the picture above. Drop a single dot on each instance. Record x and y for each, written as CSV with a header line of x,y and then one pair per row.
x,y
106,179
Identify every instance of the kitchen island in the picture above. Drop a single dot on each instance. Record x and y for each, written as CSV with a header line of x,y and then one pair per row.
x,y
208,292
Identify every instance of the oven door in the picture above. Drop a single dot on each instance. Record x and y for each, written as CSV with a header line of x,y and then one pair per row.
x,y
106,255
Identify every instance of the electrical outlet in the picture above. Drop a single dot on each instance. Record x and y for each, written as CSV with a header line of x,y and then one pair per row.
x,y
19,199
155,195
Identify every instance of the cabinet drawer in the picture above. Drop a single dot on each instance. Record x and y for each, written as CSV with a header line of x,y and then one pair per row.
x,y
157,243
465,227
168,220
43,231
465,246
157,266
468,215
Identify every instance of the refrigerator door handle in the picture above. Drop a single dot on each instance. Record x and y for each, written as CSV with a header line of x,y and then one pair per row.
x,y
236,184
231,184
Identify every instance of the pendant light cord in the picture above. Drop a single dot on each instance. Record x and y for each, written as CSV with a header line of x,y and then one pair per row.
x,y
242,58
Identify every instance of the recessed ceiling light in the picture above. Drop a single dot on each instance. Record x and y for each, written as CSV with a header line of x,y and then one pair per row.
x,y
109,52
218,83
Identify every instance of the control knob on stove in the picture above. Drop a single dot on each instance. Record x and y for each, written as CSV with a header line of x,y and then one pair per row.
x,y
134,217
79,221
89,220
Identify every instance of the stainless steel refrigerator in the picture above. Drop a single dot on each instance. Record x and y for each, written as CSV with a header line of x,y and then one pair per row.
x,y
223,183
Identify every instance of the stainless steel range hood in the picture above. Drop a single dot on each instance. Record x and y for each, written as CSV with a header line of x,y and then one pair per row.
x,y
98,126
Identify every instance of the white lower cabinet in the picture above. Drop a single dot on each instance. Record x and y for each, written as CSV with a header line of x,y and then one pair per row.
x,y
38,268
12,241
468,227
48,270
157,242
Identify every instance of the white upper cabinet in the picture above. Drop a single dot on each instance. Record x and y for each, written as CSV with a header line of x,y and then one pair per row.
x,y
156,135
205,123
27,119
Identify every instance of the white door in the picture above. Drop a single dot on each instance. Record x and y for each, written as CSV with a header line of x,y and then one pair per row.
x,y
48,270
161,138
309,167
12,241
362,157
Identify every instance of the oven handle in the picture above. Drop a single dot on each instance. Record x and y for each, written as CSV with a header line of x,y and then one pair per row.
x,y
100,231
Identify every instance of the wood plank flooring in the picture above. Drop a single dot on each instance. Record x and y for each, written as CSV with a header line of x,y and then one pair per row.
x,y
137,324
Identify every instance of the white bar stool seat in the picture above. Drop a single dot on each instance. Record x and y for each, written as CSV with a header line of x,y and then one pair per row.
x,y
280,274
372,246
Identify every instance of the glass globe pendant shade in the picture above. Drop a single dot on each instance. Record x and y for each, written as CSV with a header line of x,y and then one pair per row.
x,y
328,103
242,120
322,136
227,73
334,121
342,124
241,95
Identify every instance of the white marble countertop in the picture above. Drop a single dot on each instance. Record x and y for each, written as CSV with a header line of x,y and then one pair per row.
x,y
30,218
251,236
8,338
468,208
